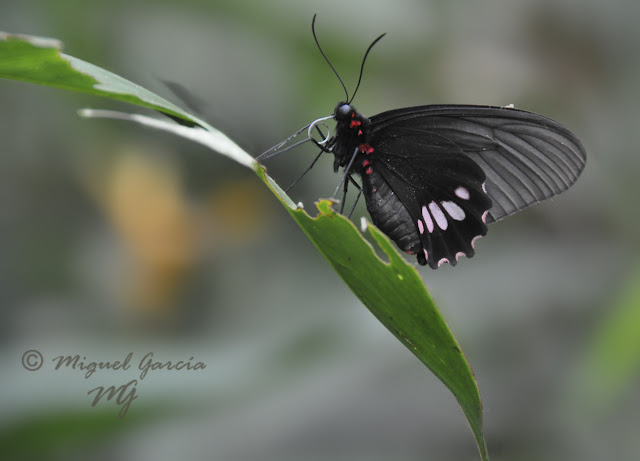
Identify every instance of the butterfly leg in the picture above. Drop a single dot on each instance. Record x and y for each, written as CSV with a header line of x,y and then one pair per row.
x,y
305,171
346,174
326,142
353,181
280,149
344,195
322,148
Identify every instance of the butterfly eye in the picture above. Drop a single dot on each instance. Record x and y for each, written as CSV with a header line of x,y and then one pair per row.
x,y
343,110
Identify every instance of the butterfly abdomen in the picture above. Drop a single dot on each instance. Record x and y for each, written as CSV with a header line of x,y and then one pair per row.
x,y
388,213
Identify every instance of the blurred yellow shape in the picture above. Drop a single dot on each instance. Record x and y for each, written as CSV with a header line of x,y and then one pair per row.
x,y
144,199
238,210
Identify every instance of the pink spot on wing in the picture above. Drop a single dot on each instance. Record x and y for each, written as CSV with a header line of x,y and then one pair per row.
x,y
484,189
426,255
484,216
458,254
442,261
420,227
438,215
473,241
462,192
427,219
454,210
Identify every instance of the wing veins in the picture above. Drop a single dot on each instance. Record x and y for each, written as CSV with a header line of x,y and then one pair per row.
x,y
524,155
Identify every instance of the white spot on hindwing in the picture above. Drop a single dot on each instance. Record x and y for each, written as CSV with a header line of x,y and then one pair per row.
x,y
454,210
427,219
438,215
462,192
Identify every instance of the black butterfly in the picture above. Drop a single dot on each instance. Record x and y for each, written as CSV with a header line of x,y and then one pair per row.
x,y
434,176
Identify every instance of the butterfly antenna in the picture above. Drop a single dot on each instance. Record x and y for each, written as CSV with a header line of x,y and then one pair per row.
x,y
362,66
313,30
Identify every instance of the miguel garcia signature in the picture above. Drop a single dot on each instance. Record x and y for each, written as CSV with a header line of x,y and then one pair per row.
x,y
146,363
125,394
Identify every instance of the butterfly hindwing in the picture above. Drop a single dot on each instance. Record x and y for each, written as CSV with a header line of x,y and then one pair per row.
x,y
441,189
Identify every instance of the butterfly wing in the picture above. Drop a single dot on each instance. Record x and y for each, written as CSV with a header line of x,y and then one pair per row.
x,y
440,187
525,157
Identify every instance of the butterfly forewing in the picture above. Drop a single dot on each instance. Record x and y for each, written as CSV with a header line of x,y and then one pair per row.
x,y
526,157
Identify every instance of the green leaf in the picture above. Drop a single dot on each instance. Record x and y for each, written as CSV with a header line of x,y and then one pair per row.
x,y
396,295
393,291
39,60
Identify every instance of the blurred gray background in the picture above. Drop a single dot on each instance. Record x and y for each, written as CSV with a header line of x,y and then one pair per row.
x,y
117,239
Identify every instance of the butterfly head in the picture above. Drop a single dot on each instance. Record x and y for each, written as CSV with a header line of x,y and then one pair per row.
x,y
351,134
348,118
343,111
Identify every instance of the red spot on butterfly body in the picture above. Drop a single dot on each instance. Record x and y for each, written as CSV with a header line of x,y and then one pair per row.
x,y
355,123
366,163
369,170
365,148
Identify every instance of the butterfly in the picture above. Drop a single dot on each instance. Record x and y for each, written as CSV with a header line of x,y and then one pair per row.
x,y
434,176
